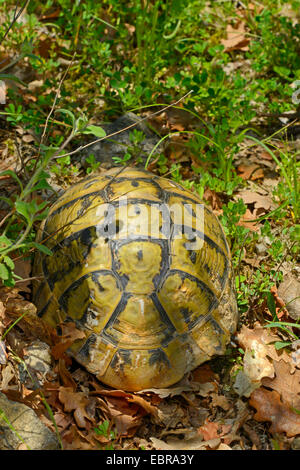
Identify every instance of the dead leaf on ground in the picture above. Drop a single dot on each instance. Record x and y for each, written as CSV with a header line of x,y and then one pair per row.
x,y
213,198
236,37
289,295
212,430
243,385
221,401
77,402
143,404
2,317
196,443
270,408
3,90
3,353
65,375
170,414
126,417
23,269
285,383
250,172
247,220
258,344
259,201
203,374
125,408
74,439
255,344
8,373
69,334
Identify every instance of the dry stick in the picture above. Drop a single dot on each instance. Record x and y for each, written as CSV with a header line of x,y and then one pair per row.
x,y
125,128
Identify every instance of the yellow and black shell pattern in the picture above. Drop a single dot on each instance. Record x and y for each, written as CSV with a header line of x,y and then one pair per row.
x,y
143,268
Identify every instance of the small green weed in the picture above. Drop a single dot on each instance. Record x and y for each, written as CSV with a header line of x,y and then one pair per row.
x,y
104,430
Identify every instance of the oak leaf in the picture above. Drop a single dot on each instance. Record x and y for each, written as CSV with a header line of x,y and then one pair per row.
x,y
236,38
212,430
77,402
270,408
285,383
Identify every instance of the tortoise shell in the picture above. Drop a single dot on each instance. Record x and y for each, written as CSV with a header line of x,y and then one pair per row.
x,y
143,268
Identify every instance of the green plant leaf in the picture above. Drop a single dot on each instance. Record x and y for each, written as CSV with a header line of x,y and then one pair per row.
x,y
281,344
9,262
4,242
10,76
271,305
22,208
95,130
68,112
42,248
4,272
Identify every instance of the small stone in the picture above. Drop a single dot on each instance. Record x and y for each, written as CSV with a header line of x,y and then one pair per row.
x,y
296,444
243,385
261,248
37,361
118,144
38,357
289,292
19,425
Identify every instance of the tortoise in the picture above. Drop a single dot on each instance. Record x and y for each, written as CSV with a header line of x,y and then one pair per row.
x,y
143,268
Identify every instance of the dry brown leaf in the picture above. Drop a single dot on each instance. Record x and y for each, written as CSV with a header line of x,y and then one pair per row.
x,y
285,383
74,439
266,156
213,198
126,408
23,269
252,172
69,334
289,295
223,447
28,138
270,408
127,417
65,375
143,404
3,89
236,38
3,353
221,401
2,316
260,201
62,420
195,443
75,401
259,346
203,374
256,361
212,430
247,221
8,374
